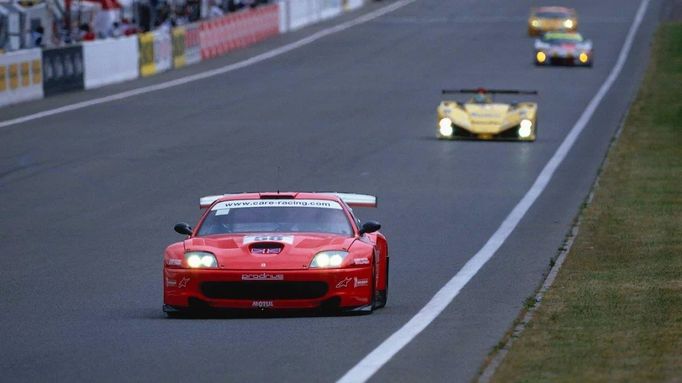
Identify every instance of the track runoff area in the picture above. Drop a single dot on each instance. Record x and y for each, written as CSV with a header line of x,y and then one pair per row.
x,y
371,363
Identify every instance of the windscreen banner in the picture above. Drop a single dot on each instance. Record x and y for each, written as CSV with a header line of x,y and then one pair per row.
x,y
63,70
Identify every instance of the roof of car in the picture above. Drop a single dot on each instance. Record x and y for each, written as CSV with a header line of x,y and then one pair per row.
x,y
554,9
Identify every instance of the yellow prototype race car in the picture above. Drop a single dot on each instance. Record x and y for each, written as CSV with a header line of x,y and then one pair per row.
x,y
483,119
552,19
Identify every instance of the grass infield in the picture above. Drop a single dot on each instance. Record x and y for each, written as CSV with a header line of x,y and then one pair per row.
x,y
614,312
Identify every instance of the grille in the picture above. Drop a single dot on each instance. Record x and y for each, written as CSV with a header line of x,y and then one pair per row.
x,y
264,290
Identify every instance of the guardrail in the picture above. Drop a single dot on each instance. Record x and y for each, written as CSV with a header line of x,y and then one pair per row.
x,y
34,73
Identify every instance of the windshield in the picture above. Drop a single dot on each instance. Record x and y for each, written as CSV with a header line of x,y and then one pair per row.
x,y
552,15
562,38
276,216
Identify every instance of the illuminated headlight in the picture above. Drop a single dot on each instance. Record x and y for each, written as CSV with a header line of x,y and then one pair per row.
x,y
525,128
535,23
568,23
445,127
200,259
541,57
583,57
326,259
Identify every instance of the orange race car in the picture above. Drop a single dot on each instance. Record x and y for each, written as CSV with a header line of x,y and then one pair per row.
x,y
552,19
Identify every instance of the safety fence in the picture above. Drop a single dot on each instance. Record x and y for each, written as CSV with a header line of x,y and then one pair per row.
x,y
35,73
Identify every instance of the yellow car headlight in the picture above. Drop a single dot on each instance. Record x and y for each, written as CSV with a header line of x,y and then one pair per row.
x,y
540,57
568,23
535,23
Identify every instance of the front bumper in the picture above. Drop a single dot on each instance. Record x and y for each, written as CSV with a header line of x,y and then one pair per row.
x,y
506,135
187,289
569,60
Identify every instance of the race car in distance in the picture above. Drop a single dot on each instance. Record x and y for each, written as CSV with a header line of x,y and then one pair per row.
x,y
277,251
550,19
481,118
563,48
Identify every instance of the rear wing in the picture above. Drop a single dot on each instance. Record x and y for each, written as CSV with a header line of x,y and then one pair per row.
x,y
356,200
350,199
489,91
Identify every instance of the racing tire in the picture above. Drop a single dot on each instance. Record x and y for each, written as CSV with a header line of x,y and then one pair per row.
x,y
382,295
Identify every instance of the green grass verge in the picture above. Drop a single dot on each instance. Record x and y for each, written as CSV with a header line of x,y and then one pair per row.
x,y
614,312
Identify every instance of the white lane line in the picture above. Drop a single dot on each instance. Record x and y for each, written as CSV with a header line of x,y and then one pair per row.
x,y
215,72
369,365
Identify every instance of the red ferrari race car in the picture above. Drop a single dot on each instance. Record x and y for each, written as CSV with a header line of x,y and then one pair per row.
x,y
277,251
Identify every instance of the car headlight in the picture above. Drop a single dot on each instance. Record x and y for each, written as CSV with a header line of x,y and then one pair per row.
x,y
535,23
200,259
445,127
325,259
568,23
525,128
583,57
540,57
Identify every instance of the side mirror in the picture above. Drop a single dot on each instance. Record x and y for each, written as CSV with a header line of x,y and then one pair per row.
x,y
369,227
183,228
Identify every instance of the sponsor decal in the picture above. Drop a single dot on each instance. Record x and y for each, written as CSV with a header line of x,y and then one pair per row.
x,y
360,282
174,262
183,283
260,251
262,304
361,261
344,283
288,239
254,203
171,282
262,277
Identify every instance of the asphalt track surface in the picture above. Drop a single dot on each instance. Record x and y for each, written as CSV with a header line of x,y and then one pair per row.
x,y
89,197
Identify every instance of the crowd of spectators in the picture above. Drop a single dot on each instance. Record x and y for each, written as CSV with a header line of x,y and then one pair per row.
x,y
147,16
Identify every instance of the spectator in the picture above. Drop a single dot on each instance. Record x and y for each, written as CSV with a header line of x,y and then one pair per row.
x,y
37,36
86,33
216,11
116,30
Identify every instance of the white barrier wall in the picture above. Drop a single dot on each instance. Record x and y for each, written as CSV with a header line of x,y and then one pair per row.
x,y
349,5
21,76
300,13
110,61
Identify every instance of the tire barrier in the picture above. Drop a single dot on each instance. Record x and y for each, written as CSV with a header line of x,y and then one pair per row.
x,y
146,54
63,70
179,35
21,77
238,30
110,61
156,52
